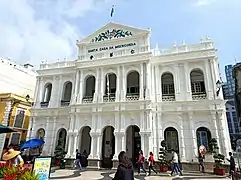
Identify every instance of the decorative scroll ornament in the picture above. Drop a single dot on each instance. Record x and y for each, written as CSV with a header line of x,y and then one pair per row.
x,y
109,34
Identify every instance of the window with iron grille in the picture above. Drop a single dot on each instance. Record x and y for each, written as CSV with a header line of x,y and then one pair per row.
x,y
168,89
15,139
198,87
19,118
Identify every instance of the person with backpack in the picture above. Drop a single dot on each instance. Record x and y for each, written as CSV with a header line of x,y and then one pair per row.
x,y
151,163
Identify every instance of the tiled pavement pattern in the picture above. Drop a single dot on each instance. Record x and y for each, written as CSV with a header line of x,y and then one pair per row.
x,y
108,175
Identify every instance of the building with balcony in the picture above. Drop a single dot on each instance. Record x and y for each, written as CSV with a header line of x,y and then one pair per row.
x,y
15,113
121,95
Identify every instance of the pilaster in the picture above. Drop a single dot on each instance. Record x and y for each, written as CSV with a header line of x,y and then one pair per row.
x,y
213,116
81,82
77,85
119,143
52,145
123,90
177,82
182,140
148,81
208,83
188,82
46,145
118,82
70,144
194,139
141,82
41,92
54,92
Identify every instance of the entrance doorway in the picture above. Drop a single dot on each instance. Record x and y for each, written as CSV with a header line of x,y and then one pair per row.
x,y
108,147
133,142
85,140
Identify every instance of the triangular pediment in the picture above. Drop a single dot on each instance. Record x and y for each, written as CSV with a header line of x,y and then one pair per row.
x,y
113,31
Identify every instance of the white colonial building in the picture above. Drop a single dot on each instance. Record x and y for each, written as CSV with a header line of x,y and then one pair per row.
x,y
121,95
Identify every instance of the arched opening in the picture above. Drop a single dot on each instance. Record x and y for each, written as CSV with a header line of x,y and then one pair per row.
x,y
47,95
67,91
168,91
133,142
133,86
40,133
110,88
85,140
171,138
89,89
108,147
203,137
197,84
61,138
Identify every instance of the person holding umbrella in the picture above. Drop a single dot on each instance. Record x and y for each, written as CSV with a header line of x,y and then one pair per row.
x,y
13,157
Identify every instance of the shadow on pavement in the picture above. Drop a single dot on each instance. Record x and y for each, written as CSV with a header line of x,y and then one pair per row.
x,y
76,173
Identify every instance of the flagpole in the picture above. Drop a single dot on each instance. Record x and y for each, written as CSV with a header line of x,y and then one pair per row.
x,y
112,13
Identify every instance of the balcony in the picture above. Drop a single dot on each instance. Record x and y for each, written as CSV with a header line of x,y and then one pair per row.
x,y
65,103
168,97
132,96
87,99
44,104
199,96
109,98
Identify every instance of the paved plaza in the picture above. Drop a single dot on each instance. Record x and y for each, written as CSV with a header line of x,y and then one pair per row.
x,y
108,175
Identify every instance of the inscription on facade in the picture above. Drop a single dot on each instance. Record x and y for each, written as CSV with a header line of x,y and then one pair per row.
x,y
111,47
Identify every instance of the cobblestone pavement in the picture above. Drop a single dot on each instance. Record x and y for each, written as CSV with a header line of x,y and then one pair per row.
x,y
108,175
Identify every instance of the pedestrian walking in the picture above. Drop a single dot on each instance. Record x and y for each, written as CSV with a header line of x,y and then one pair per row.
x,y
201,158
175,166
151,163
78,160
140,163
125,168
232,163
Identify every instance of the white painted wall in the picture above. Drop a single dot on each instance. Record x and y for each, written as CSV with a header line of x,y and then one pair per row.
x,y
16,79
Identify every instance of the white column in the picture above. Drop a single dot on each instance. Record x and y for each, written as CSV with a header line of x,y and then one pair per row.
x,y
75,143
141,82
123,91
148,80
226,145
143,145
77,85
40,95
97,88
54,93
52,145
81,89
99,146
70,149
30,127
46,139
208,80
33,132
117,145
118,89
36,92
215,134
102,85
182,143
188,82
194,139
60,91
177,82
158,83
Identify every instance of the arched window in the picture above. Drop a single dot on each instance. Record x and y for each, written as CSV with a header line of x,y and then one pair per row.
x,y
89,89
133,86
47,95
203,137
110,87
197,84
168,89
67,91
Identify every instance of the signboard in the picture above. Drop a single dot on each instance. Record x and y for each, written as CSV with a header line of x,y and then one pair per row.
x,y
111,47
42,166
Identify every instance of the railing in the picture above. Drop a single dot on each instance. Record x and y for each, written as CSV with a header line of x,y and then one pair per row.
x,y
109,98
44,104
65,103
199,96
132,96
87,99
168,97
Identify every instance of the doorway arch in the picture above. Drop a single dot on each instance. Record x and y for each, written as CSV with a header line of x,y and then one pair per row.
x,y
85,140
108,147
61,138
133,142
171,137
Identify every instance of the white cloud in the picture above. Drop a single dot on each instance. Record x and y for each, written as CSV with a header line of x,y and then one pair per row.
x,y
199,3
41,29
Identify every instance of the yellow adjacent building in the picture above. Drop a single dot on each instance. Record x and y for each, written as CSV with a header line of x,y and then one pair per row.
x,y
15,113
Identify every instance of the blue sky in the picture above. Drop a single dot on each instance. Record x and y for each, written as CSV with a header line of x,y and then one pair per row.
x,y
36,30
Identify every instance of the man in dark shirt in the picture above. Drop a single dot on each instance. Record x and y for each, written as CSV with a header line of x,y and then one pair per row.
x,y
78,159
232,163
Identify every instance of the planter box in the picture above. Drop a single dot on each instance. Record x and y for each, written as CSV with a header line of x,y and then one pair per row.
x,y
219,171
163,168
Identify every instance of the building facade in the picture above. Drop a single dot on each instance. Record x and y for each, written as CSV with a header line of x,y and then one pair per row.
x,y
237,97
15,113
17,79
121,95
230,81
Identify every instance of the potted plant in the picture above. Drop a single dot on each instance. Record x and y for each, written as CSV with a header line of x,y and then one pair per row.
x,y
218,158
162,157
59,154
